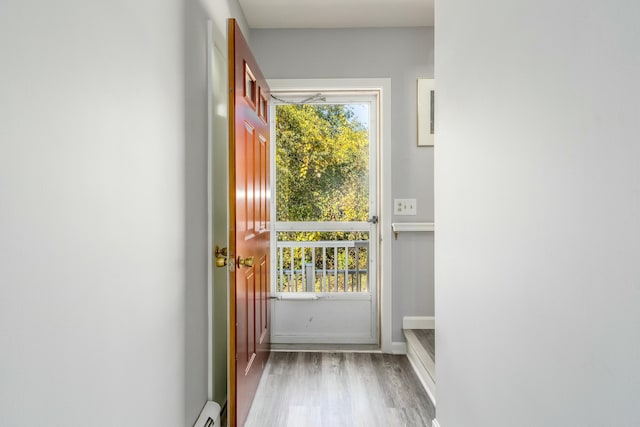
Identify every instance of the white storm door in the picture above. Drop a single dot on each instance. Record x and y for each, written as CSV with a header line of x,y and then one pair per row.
x,y
325,239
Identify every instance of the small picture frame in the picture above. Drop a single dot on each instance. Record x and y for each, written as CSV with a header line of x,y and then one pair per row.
x,y
426,113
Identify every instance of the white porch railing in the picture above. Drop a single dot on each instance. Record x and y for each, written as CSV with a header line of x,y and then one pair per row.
x,y
322,266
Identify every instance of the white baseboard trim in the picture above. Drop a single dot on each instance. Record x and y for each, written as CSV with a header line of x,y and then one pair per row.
x,y
211,410
425,379
435,423
398,347
420,354
418,322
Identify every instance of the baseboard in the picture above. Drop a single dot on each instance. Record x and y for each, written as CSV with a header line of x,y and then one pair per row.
x,y
418,322
398,347
425,379
210,412
435,423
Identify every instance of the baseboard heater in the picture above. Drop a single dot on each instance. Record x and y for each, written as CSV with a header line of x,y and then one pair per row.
x,y
210,416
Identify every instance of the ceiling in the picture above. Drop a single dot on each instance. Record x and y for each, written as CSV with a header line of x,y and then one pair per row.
x,y
337,13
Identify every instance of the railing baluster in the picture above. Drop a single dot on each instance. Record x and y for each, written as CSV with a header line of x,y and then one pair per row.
x,y
291,267
313,271
325,286
346,267
302,275
281,262
335,269
357,261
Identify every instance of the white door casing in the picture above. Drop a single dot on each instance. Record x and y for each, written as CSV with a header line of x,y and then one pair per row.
x,y
217,184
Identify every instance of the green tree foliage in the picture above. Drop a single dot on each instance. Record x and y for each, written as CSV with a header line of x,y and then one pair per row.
x,y
322,164
322,170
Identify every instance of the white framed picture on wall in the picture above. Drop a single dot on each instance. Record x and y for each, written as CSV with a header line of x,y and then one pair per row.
x,y
426,113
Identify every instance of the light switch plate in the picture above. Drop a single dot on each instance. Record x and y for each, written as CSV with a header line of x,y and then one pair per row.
x,y
405,207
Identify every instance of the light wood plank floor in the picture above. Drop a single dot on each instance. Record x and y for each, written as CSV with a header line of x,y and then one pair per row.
x,y
340,389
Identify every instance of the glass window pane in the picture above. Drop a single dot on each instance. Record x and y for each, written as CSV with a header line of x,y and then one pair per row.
x,y
322,162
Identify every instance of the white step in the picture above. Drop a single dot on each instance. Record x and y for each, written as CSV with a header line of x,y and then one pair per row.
x,y
423,364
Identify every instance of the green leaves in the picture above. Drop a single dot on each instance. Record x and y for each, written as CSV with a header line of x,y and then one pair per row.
x,y
322,164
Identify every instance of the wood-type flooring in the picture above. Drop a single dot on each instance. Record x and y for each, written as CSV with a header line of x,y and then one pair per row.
x,y
313,389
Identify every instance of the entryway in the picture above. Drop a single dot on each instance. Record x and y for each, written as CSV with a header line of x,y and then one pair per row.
x,y
339,283
325,242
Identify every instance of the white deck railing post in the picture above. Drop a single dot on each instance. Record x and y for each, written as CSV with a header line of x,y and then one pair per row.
x,y
310,276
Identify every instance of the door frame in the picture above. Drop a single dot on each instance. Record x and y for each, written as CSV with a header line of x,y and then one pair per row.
x,y
385,204
342,305
217,215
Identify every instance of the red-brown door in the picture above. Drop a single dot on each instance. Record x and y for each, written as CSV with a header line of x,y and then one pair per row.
x,y
249,225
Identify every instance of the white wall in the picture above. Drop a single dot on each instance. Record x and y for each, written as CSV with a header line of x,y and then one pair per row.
x,y
538,207
198,253
103,219
403,55
92,295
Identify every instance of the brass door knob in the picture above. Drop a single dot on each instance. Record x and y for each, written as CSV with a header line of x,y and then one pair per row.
x,y
221,256
247,262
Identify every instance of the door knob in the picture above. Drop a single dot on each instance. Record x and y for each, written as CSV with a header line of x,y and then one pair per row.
x,y
221,256
247,262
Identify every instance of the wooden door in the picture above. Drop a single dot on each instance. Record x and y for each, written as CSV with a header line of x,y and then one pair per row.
x,y
249,237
